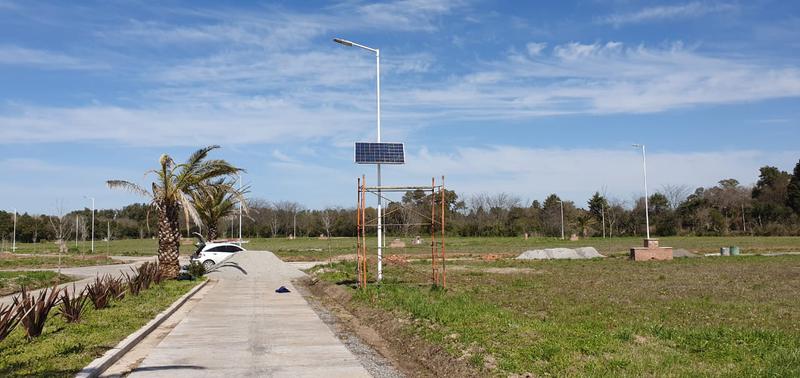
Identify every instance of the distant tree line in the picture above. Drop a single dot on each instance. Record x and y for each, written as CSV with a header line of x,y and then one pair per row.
x,y
770,207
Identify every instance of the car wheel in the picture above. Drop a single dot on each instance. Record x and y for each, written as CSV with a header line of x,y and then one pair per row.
x,y
208,264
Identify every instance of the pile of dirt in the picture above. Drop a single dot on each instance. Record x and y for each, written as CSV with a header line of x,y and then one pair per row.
x,y
683,253
396,260
560,253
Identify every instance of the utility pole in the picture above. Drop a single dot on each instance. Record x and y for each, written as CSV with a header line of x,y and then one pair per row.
x,y
14,236
76,230
646,205
239,177
562,218
603,214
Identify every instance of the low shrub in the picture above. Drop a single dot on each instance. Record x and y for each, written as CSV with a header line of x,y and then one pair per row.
x,y
134,282
9,318
99,293
196,269
33,311
73,305
116,287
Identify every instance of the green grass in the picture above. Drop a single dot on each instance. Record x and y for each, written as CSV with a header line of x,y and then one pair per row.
x,y
124,247
63,349
310,249
12,282
27,262
605,317
307,249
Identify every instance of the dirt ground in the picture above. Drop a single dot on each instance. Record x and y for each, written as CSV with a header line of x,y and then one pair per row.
x,y
385,333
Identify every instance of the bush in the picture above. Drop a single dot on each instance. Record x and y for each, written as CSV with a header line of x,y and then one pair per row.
x,y
135,283
33,311
72,306
99,293
9,318
116,287
196,269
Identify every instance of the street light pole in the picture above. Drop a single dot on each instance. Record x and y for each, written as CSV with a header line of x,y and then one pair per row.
x,y
646,205
92,198
562,218
239,177
378,122
14,237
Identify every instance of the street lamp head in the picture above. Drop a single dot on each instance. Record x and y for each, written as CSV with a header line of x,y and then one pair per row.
x,y
636,145
343,41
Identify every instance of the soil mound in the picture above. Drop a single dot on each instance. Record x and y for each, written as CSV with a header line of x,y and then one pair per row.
x,y
560,253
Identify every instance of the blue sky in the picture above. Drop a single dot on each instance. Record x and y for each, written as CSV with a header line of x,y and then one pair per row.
x,y
517,97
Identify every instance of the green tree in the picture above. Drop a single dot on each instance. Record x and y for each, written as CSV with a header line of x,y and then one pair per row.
x,y
214,201
170,193
793,190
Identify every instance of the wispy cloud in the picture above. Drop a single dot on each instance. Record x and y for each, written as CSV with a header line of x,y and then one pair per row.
x,y
15,55
602,78
576,173
668,12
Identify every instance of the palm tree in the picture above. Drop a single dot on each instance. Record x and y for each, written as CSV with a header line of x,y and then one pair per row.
x,y
215,200
170,193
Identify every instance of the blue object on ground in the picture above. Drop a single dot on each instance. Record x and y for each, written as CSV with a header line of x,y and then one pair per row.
x,y
282,289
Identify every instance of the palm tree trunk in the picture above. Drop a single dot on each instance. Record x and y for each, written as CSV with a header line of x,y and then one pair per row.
x,y
169,239
212,232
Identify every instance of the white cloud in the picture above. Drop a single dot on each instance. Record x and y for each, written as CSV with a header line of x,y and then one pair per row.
x,y
15,55
602,78
406,14
668,12
577,173
535,48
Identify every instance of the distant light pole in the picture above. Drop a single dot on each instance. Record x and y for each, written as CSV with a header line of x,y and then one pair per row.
x,y
561,203
76,231
92,198
14,234
378,101
239,178
646,205
603,214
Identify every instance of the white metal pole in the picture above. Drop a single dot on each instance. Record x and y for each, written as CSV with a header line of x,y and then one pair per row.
x,y
240,210
92,224
76,231
646,205
380,200
562,219
14,236
603,213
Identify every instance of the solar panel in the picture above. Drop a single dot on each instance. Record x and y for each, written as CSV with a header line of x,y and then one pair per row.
x,y
380,153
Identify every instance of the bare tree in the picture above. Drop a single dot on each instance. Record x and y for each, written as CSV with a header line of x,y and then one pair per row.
x,y
61,230
675,194
326,218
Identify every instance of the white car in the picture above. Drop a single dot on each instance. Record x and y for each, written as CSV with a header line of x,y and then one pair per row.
x,y
210,254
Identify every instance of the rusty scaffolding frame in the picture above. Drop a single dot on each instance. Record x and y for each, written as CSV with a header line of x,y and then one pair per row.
x,y
438,248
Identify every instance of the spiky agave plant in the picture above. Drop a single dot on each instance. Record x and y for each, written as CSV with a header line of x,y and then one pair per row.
x,y
33,310
9,318
170,193
73,305
215,200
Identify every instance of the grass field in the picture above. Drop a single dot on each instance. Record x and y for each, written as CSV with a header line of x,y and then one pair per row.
x,y
8,261
63,349
714,316
310,249
12,282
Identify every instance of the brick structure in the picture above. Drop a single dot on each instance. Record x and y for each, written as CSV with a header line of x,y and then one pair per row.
x,y
651,251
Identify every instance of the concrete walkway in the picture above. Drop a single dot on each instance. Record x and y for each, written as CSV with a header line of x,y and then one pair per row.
x,y
241,327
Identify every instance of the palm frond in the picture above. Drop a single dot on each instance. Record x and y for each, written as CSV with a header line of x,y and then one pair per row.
x,y
129,186
188,208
